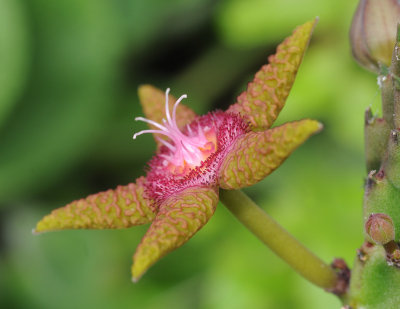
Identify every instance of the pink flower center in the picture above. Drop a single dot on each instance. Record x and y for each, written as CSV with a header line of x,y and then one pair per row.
x,y
186,149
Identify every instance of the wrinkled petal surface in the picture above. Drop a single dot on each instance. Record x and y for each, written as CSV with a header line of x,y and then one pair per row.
x,y
257,154
266,94
180,216
153,104
123,207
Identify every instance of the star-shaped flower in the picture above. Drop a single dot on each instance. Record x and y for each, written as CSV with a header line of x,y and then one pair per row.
x,y
197,155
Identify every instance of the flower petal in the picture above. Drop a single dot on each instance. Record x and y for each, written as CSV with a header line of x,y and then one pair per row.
x,y
153,104
180,216
120,208
266,94
257,154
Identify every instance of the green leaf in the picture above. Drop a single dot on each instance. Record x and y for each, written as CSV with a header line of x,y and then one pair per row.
x,y
180,216
257,154
123,207
266,94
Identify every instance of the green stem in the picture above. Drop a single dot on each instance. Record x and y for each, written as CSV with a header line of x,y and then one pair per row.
x,y
279,240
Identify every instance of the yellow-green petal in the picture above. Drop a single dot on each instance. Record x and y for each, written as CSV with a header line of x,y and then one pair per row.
x,y
257,154
123,207
266,94
180,216
153,104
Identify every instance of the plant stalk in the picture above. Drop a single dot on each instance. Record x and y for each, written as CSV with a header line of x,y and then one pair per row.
x,y
279,240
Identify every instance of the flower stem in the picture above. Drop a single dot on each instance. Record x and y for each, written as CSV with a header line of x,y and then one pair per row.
x,y
279,240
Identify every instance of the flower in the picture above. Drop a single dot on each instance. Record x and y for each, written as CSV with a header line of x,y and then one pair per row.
x,y
197,155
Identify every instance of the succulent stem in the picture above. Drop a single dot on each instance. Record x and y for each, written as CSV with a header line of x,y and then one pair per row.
x,y
395,72
279,240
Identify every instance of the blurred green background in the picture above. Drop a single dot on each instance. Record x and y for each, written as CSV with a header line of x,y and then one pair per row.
x,y
69,72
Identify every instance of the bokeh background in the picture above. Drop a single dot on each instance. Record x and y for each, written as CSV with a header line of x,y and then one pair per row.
x,y
69,72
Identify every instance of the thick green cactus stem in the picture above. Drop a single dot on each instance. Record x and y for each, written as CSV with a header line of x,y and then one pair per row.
x,y
280,241
375,278
385,82
376,136
354,295
382,197
379,284
395,73
392,163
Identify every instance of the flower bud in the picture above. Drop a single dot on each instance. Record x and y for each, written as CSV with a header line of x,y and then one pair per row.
x,y
373,32
380,228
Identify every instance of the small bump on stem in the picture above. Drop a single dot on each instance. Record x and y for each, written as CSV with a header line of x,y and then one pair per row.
x,y
379,227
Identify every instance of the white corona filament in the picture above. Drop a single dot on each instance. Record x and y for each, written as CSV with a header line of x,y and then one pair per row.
x,y
183,148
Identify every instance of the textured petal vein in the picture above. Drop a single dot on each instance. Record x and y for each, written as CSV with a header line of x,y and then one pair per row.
x,y
180,216
266,94
123,207
257,154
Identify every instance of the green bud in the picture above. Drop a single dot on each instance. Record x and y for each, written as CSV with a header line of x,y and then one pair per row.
x,y
373,32
380,228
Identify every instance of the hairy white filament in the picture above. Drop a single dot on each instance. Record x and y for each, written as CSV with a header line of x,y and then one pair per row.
x,y
183,148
